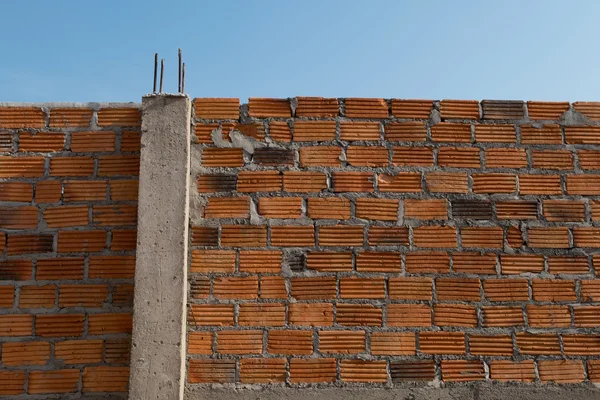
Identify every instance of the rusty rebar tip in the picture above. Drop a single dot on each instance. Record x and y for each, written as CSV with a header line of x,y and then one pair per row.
x,y
155,71
162,73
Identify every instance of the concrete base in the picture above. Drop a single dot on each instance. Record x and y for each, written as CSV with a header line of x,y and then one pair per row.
x,y
158,340
462,392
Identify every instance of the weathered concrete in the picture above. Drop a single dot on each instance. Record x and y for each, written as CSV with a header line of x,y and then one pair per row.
x,y
470,392
158,342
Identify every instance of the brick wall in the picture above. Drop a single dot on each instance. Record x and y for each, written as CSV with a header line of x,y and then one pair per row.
x,y
68,195
387,241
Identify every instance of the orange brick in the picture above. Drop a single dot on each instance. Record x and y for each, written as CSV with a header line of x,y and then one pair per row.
x,y
459,157
280,207
273,156
505,158
82,142
227,207
7,295
101,324
548,134
495,134
540,184
364,371
553,290
594,370
412,370
84,190
41,142
118,165
314,288
352,131
367,156
25,353
123,295
81,241
264,108
70,117
23,217
66,216
435,236
59,268
293,236
71,166
37,296
587,316
546,109
506,289
111,267
502,109
388,236
512,264
272,287
581,344
403,108
82,295
589,159
211,315
313,131
586,236
362,288
366,108
358,314
549,238
507,371
590,109
216,157
316,107
211,371
225,288
409,182
117,351
79,351
23,244
538,344
426,209
455,315
410,288
206,261
312,370
393,343
131,141
260,261
48,191
16,191
59,325
482,236
311,314
459,109
328,208
290,342
561,210
548,316
552,159
427,262
265,370
368,261
114,215
16,325
582,134
408,315
342,342
341,235
304,182
561,371
412,156
200,343
239,342
56,381
320,156
265,314
494,183
458,289
474,263
217,108
451,132
124,190
462,370
119,116
21,167
22,117
491,345
329,261
583,184
590,290
516,209
447,182
105,379
280,131
442,342
406,132
377,209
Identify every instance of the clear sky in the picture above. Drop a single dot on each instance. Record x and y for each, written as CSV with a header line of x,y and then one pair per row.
x,y
74,50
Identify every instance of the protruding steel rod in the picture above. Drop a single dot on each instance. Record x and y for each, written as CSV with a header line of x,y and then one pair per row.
x,y
183,79
179,73
162,71
155,71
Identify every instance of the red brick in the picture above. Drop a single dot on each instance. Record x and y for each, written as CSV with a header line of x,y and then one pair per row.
x,y
239,342
367,156
590,109
427,262
364,371
474,263
111,267
459,157
313,131
227,207
482,237
341,235
131,141
41,142
200,343
59,325
495,134
304,182
403,108
314,288
562,210
37,296
362,288
124,190
328,208
547,134
508,371
377,209
101,324
232,288
462,370
260,261
119,117
312,370
451,132
25,353
561,371
311,314
435,237
264,314
293,236
403,182
84,190
24,244
455,315
549,238
114,215
505,158
458,289
582,135
211,371
206,261
264,108
320,156
491,345
71,166
217,108
546,109
16,191
82,142
290,342
447,182
66,216
388,236
23,217
118,165
506,289
211,315
352,131
543,316
494,183
412,156
105,379
406,132
540,184
371,261
56,381
316,107
442,342
79,351
267,370
459,109
70,117
82,295
410,288
22,117
280,207
48,191
81,241
21,167
366,108
328,261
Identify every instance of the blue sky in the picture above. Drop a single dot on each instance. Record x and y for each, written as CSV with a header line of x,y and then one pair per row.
x,y
73,50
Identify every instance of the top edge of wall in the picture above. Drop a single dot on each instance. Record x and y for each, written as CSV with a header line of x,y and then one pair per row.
x,y
93,105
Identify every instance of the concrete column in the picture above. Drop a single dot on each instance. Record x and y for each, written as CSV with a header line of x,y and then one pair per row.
x,y
159,310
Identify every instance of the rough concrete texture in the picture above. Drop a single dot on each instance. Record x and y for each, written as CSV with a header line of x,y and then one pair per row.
x,y
476,392
158,344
